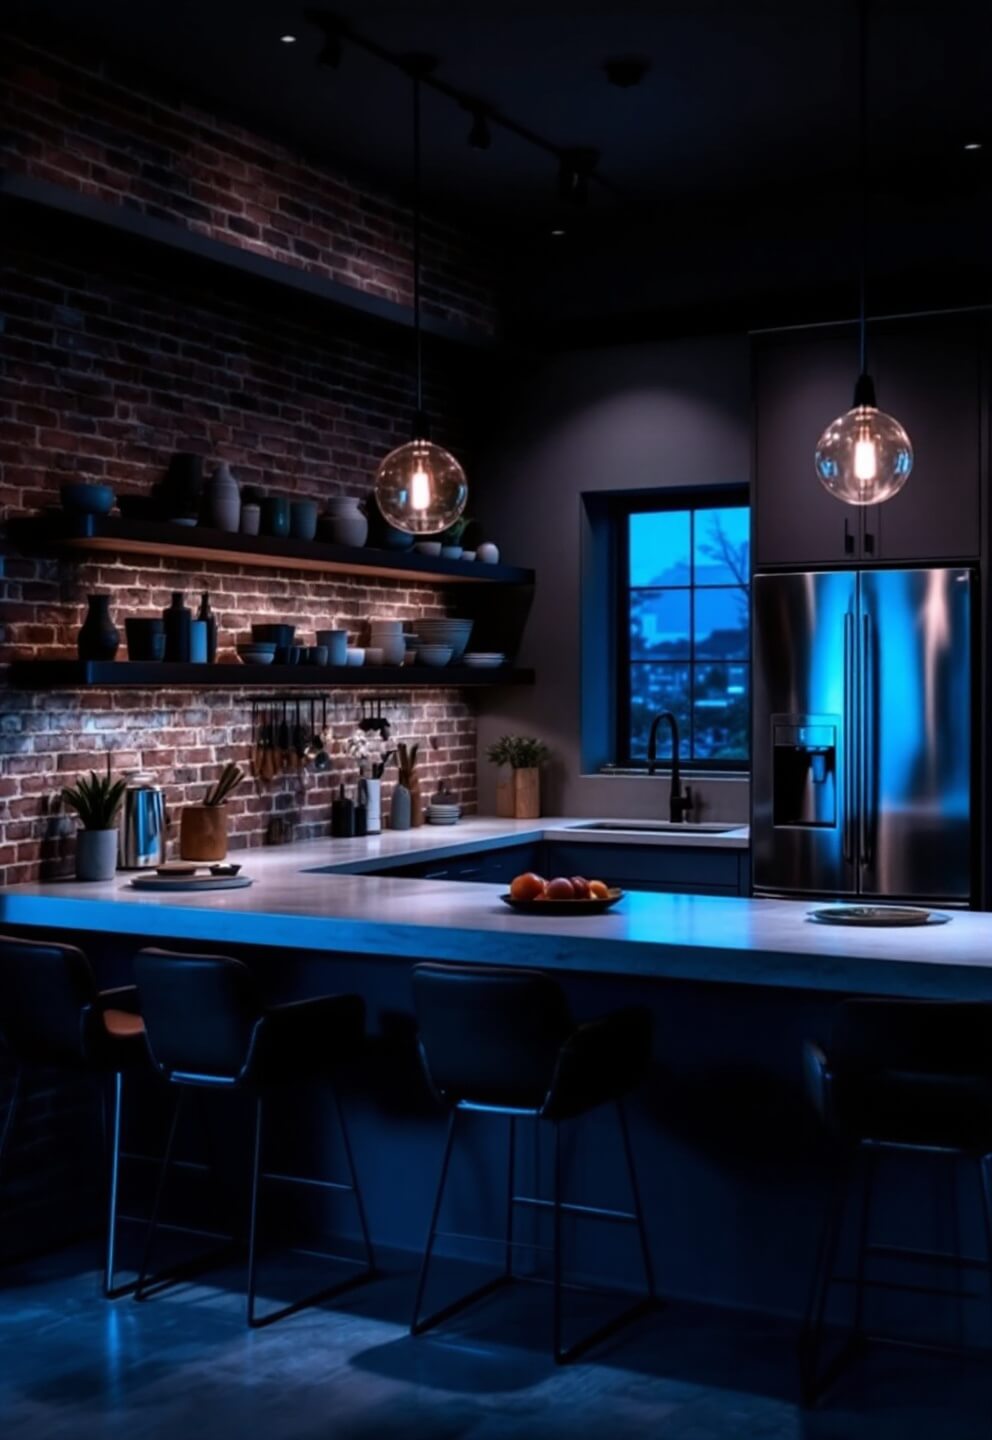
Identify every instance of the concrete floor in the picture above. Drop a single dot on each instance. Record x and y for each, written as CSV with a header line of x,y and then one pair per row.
x,y
183,1365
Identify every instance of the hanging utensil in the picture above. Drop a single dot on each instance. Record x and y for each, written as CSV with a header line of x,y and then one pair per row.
x,y
322,760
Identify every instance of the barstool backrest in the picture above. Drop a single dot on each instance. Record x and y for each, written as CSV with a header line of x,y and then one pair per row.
x,y
200,1014
937,1037
490,1036
47,994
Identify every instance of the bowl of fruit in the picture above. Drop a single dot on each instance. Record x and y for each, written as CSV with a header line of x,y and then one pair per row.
x,y
571,895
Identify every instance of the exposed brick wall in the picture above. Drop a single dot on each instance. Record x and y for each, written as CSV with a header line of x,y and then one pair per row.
x,y
83,127
108,367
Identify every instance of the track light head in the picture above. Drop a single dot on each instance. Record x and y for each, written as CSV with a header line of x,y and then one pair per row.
x,y
335,31
574,169
480,137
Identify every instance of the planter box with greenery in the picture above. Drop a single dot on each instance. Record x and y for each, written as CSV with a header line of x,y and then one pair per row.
x,y
518,788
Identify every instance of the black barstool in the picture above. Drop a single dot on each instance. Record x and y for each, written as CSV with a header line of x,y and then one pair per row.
x,y
208,1028
898,1075
502,1042
52,1015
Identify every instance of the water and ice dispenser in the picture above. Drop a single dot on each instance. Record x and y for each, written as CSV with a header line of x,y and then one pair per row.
x,y
804,769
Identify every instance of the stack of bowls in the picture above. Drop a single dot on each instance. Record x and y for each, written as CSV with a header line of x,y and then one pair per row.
x,y
453,633
438,814
259,652
387,637
484,659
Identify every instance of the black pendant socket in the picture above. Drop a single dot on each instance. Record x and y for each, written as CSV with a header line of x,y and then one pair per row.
x,y
421,429
864,392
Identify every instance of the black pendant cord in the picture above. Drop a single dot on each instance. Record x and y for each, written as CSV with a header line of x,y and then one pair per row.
x,y
863,183
420,419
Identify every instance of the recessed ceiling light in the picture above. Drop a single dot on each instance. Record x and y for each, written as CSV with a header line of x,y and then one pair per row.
x,y
557,233
973,145
288,39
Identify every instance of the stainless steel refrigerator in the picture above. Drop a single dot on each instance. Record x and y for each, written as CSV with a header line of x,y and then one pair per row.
x,y
862,734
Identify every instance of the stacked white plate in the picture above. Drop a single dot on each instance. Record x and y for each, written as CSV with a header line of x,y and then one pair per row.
x,y
455,633
443,814
483,659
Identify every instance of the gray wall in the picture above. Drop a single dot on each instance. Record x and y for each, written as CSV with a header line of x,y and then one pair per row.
x,y
621,418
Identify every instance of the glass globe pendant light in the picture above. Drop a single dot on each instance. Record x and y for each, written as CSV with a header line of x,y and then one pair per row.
x,y
864,456
420,487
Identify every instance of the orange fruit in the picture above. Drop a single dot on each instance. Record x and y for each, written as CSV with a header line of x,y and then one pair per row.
x,y
598,891
527,887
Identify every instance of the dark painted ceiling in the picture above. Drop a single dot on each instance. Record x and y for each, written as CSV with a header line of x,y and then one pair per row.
x,y
732,167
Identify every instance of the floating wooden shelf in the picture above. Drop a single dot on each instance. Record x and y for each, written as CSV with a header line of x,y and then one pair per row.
x,y
111,674
58,202
89,534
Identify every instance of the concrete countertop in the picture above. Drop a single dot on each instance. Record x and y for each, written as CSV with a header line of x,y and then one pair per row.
x,y
295,903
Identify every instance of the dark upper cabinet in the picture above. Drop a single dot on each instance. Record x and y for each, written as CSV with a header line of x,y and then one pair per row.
x,y
802,381
929,377
928,374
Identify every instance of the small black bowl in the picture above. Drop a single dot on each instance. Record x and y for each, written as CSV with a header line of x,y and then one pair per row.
x,y
281,635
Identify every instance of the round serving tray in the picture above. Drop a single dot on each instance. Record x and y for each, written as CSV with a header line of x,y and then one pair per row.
x,y
190,882
877,916
563,907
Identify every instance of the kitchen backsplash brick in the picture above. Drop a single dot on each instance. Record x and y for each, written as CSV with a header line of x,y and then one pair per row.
x,y
107,367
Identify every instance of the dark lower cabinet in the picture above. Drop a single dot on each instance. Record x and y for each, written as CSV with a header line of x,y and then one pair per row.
x,y
663,868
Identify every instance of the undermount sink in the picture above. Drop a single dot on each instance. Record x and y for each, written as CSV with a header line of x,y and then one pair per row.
x,y
661,827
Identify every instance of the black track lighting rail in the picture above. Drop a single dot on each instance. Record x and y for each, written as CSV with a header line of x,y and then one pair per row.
x,y
577,167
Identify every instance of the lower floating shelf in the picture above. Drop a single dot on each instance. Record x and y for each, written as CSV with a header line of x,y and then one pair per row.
x,y
107,674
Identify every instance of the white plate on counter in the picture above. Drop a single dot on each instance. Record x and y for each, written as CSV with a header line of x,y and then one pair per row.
x,y
879,916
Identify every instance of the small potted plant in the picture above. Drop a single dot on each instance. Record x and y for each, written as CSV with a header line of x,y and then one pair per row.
x,y
203,828
96,801
371,751
518,789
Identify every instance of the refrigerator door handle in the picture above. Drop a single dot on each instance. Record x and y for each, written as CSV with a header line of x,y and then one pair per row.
x,y
850,704
866,745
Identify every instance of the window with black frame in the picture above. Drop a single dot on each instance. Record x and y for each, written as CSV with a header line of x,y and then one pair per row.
x,y
684,628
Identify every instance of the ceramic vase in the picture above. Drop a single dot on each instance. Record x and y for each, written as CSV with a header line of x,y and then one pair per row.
x,y
371,792
99,637
178,630
222,500
303,519
203,832
96,854
518,794
345,523
488,553
399,810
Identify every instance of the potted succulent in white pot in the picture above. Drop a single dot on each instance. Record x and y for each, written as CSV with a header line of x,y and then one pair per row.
x,y
96,801
518,788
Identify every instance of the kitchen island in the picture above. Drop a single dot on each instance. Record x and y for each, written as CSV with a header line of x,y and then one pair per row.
x,y
732,1164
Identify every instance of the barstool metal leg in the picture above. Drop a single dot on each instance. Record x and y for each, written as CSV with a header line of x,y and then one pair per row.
x,y
511,1182
110,1291
868,1166
256,1166
985,1176
418,1325
356,1188
635,1191
811,1334
139,1289
13,1104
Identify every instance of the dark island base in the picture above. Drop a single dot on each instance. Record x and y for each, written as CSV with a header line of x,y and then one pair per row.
x,y
734,1174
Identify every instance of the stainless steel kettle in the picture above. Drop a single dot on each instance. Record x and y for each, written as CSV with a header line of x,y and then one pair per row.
x,y
142,831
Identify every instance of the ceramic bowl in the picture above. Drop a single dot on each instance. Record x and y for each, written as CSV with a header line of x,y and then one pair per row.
x,y
468,554
455,633
83,499
356,655
479,660
256,654
373,655
428,547
436,655
273,634
451,552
